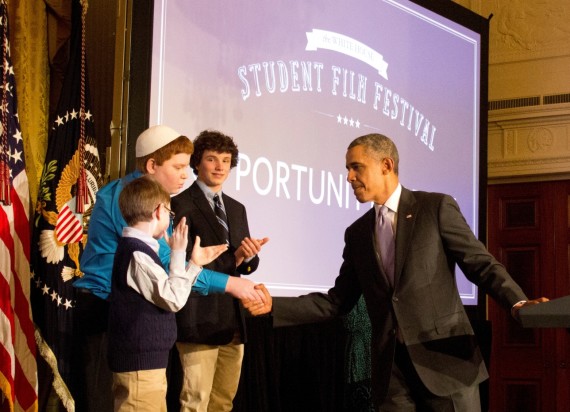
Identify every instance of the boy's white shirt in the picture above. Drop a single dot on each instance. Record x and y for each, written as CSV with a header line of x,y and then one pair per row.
x,y
167,291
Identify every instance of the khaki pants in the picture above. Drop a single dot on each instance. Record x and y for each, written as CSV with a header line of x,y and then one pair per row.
x,y
140,391
211,376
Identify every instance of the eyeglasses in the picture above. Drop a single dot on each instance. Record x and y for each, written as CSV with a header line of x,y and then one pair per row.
x,y
171,214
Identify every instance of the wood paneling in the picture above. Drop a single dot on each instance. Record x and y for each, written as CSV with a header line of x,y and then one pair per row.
x,y
528,232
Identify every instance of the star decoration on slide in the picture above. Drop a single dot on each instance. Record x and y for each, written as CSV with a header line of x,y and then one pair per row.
x,y
349,122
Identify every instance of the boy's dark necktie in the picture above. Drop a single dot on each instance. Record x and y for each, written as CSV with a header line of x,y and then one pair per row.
x,y
222,218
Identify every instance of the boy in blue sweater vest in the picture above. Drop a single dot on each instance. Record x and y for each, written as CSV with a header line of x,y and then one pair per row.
x,y
142,326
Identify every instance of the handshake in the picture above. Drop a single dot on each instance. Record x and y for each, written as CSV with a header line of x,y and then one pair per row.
x,y
261,306
254,297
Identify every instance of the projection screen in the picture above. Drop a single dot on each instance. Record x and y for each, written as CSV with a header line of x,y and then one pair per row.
x,y
293,82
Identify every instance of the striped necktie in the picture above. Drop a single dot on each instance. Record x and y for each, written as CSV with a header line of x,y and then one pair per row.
x,y
222,218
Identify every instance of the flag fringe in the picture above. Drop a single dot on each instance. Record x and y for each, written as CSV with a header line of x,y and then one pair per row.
x,y
6,392
59,385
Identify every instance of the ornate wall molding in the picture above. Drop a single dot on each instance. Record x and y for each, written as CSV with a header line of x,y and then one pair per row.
x,y
530,142
528,30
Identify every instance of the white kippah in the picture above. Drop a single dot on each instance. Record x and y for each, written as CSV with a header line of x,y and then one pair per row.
x,y
153,139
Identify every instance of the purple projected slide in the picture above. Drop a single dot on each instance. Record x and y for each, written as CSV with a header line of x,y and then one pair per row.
x,y
294,82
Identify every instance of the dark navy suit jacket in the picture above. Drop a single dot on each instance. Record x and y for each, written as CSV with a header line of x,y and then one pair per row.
x,y
424,304
212,319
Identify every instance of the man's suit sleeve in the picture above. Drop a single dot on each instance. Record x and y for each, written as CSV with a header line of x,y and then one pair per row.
x,y
319,307
478,265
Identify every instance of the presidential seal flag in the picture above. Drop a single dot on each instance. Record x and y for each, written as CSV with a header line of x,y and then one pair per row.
x,y
18,372
70,179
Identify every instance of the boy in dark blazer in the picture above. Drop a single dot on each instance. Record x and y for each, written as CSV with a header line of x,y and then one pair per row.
x,y
211,329
424,352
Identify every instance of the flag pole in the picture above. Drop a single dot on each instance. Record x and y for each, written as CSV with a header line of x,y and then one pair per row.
x,y
4,160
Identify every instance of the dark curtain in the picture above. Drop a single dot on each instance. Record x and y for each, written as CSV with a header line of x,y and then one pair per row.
x,y
297,369
307,368
292,369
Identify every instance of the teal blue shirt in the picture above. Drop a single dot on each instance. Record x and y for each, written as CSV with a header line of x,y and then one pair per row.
x,y
105,228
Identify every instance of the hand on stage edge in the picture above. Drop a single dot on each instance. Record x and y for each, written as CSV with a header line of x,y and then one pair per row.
x,y
516,308
257,308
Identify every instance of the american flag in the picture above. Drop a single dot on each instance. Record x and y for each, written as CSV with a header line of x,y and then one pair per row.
x,y
18,370
61,219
